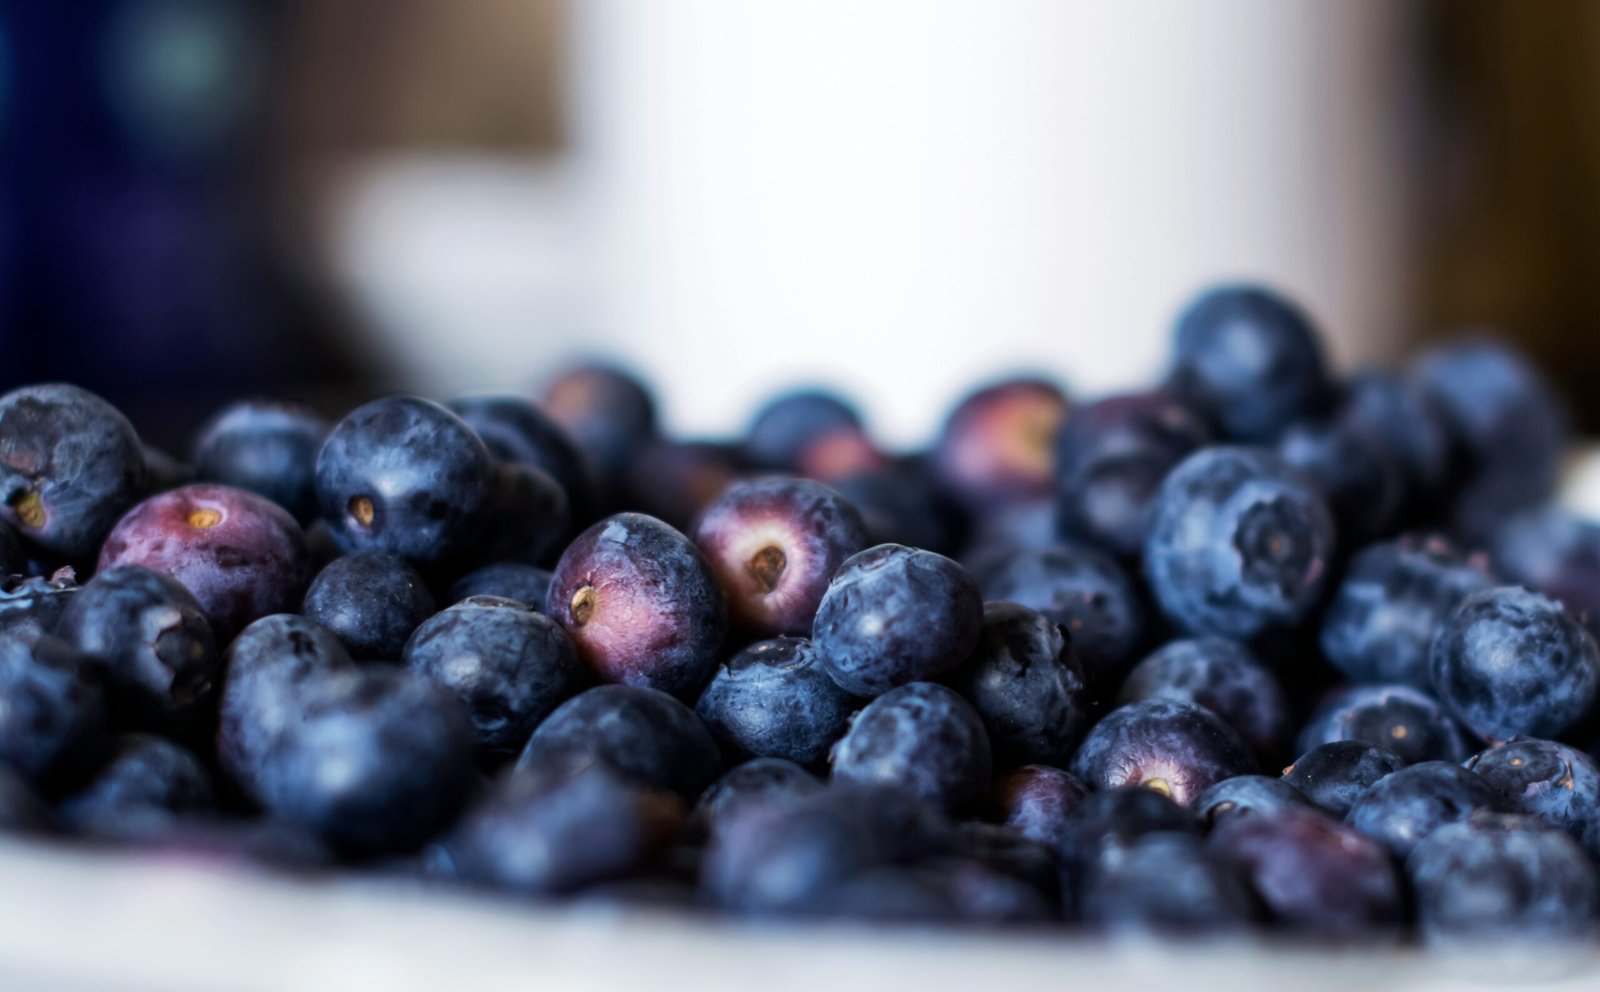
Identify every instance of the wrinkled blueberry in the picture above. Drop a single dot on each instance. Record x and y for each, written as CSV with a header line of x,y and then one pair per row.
x,y
1407,721
1225,678
997,445
527,584
1557,783
922,738
267,447
372,600
1025,682
1175,748
1333,776
1403,808
145,784
773,699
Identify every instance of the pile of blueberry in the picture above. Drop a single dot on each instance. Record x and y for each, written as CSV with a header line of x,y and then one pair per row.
x,y
1044,673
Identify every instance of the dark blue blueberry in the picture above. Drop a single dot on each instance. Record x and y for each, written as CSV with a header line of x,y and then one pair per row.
x,y
544,833
241,555
372,600
405,475
1175,748
1317,877
787,423
528,517
146,784
1248,795
773,699
151,641
238,844
1083,590
527,584
1008,851
1403,808
1352,466
1106,824
36,603
1407,721
1557,783
641,604
1380,625
163,471
1225,678
267,447
1248,359
13,558
1037,801
1008,527
1169,884
950,892
922,738
1555,552
1333,776
752,785
1025,682
894,615
679,480
643,735
774,543
1509,662
1110,459
510,666
70,465
1239,544
1410,424
608,414
21,809
53,727
899,507
1503,880
516,431
997,445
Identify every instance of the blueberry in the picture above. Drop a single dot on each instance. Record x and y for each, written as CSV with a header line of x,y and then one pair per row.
x,y
36,603
894,615
1110,459
372,600
922,738
786,424
679,480
1105,825
1557,783
1007,851
1038,800
938,892
1403,808
527,584
544,833
1352,466
1503,879
70,464
1314,876
514,430
52,710
1225,678
1410,424
1333,776
1085,591
1175,748
407,476
1248,795
774,543
605,411
1248,359
1239,544
752,785
267,447
528,516
241,555
1380,625
236,844
645,736
1407,721
21,810
641,604
146,784
151,642
1555,552
1551,684
1169,884
997,445
509,665
1025,682
839,453
898,507
774,699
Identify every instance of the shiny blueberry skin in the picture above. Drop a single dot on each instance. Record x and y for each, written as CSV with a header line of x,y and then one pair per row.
x,y
151,643
145,784
922,738
1225,678
774,699
1503,879
1025,682
608,414
527,584
514,430
1379,627
774,543
1320,878
752,785
1352,466
372,600
1248,795
1551,683
541,832
894,615
70,465
1407,721
643,735
786,424
510,666
267,447
641,603
1083,590
1547,779
1176,748
1248,359
21,809
53,727
997,445
1169,884
1037,800
1555,552
1403,808
898,507
407,476
1239,544
528,517
1110,459
1412,427
1333,776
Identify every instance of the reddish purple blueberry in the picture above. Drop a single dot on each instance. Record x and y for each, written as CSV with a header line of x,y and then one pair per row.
x,y
998,444
1175,748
